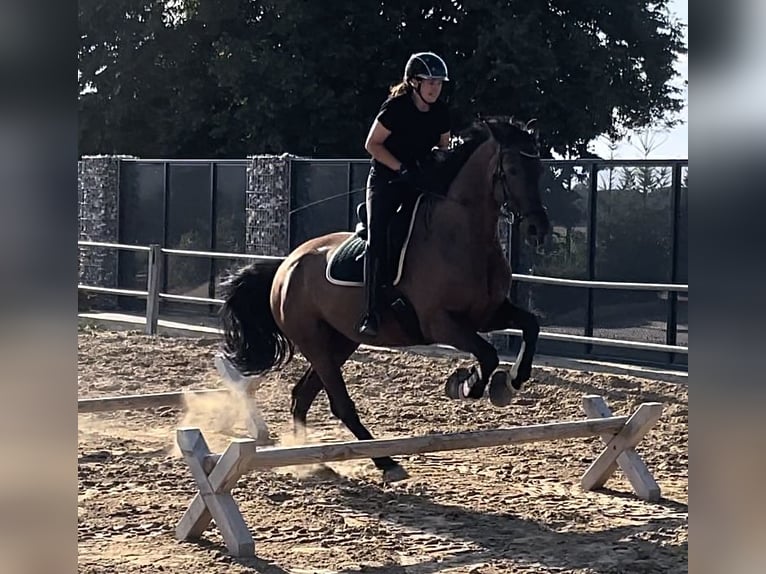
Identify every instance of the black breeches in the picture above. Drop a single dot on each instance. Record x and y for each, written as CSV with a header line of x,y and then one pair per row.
x,y
383,199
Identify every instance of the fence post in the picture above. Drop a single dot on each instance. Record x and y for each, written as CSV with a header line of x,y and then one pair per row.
x,y
671,326
592,217
154,277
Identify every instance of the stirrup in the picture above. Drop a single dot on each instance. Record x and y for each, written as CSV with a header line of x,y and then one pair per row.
x,y
368,325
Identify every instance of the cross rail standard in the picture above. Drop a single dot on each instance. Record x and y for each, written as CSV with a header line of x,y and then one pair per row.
x,y
216,474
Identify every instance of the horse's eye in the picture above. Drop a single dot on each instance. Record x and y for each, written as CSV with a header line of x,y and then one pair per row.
x,y
513,171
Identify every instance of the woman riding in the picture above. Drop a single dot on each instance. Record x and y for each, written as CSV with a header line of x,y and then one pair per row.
x,y
410,123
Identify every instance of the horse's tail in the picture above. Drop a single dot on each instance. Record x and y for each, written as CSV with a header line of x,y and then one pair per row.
x,y
253,341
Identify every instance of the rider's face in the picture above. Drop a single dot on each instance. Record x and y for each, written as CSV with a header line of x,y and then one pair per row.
x,y
430,89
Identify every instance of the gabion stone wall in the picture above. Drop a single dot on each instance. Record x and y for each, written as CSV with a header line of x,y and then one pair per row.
x,y
98,197
267,203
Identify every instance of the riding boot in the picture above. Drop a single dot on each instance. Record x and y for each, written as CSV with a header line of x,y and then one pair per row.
x,y
370,321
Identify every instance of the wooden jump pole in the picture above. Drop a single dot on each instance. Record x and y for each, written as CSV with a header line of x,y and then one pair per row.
x,y
144,401
254,422
216,474
355,449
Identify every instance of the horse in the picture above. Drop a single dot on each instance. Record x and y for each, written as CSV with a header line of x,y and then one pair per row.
x,y
454,284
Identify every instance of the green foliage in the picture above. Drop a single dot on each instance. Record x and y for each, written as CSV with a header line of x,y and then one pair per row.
x,y
566,257
634,227
633,233
226,78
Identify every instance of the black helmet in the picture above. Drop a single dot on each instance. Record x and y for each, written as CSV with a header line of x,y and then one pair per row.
x,y
426,65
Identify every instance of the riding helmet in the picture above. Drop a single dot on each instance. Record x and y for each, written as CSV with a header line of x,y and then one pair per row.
x,y
426,65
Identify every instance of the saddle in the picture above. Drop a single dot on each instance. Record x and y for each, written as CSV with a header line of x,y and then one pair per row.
x,y
346,266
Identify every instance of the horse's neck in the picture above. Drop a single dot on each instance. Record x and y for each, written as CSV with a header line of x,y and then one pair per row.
x,y
474,178
472,189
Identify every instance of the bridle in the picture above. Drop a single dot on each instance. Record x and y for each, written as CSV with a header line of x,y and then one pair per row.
x,y
499,176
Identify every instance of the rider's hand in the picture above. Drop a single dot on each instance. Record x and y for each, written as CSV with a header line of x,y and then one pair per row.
x,y
409,173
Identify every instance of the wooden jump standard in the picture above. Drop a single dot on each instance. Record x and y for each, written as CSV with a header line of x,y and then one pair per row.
x,y
216,475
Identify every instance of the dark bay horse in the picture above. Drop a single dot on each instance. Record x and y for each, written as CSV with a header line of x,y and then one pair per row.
x,y
455,278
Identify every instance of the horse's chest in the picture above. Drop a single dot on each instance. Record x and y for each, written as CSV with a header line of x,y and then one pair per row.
x,y
493,280
459,244
451,240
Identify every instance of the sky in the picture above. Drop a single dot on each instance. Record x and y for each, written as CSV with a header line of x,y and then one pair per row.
x,y
670,144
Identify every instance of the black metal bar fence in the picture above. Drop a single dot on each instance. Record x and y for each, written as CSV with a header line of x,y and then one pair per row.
x,y
584,247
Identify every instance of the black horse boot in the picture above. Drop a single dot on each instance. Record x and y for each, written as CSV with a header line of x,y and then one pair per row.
x,y
370,321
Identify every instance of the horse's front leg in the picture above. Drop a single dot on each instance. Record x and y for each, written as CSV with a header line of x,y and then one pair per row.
x,y
448,329
508,316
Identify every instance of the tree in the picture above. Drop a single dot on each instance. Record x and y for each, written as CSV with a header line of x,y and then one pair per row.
x,y
233,77
144,81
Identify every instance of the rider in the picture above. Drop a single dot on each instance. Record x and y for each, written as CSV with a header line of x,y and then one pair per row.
x,y
410,123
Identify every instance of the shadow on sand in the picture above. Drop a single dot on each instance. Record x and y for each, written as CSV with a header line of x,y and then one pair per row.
x,y
503,536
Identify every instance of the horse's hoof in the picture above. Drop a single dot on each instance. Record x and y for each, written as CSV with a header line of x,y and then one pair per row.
x,y
395,474
500,392
520,379
453,388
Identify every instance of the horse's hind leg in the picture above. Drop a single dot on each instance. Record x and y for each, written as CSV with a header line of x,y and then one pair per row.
x,y
343,407
507,316
327,363
303,395
310,384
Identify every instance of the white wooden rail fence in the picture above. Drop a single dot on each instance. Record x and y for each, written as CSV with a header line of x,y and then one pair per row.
x,y
153,295
217,474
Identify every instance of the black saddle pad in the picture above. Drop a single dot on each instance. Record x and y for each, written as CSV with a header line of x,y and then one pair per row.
x,y
346,265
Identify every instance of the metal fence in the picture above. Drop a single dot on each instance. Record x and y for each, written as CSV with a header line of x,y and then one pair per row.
x,y
615,221
180,204
153,294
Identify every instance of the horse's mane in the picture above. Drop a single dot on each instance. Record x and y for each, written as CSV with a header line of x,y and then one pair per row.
x,y
446,164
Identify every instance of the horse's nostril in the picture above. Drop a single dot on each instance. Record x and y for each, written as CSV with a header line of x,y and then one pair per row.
x,y
532,230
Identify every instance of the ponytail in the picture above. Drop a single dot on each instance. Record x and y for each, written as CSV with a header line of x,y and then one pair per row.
x,y
402,87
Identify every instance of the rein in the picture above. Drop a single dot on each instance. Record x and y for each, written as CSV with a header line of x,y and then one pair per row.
x,y
511,215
